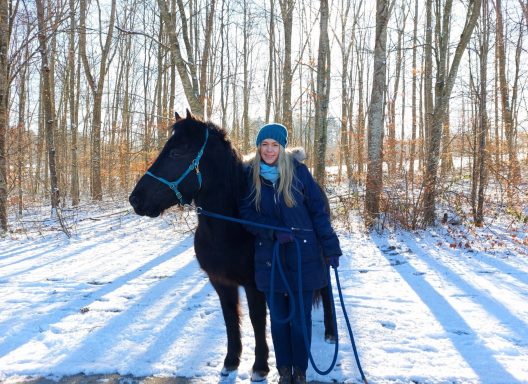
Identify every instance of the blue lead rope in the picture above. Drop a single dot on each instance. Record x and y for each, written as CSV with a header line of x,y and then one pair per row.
x,y
276,261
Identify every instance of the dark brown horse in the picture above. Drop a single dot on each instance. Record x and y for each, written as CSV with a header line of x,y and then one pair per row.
x,y
198,163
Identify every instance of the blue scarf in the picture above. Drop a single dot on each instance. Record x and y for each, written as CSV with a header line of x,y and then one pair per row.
x,y
269,172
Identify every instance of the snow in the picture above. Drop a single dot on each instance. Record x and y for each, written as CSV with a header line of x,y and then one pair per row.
x,y
125,295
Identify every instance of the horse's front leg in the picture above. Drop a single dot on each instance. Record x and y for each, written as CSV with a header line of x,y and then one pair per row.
x,y
257,313
230,309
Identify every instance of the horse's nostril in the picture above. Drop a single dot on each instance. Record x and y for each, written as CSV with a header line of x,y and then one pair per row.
x,y
134,201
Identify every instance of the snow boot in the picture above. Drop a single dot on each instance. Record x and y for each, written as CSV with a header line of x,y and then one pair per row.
x,y
299,376
285,375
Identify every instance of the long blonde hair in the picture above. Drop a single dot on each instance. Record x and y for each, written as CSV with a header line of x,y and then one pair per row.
x,y
285,167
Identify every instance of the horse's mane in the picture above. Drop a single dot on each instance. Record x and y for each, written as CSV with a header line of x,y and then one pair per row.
x,y
232,175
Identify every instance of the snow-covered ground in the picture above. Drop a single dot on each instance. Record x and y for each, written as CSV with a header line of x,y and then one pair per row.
x,y
125,295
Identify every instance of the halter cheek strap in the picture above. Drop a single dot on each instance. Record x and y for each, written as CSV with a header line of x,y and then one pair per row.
x,y
193,166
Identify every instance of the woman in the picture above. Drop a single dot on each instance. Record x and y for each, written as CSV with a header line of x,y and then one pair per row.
x,y
283,193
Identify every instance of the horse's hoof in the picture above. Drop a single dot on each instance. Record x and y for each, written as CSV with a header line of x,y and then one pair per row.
x,y
330,339
258,377
228,372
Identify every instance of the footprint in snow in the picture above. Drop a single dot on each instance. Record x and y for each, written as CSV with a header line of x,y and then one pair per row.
x,y
460,332
388,324
395,262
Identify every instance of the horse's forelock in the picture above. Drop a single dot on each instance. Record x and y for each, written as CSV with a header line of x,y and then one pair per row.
x,y
195,125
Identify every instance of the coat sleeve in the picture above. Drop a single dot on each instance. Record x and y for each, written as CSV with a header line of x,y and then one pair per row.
x,y
249,212
316,203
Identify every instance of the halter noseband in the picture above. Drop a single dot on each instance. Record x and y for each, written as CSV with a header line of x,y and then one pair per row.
x,y
193,166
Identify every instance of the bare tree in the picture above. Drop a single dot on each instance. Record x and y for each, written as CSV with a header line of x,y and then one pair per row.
x,y
507,105
347,91
390,154
272,62
322,95
524,7
74,107
444,82
414,112
287,74
97,87
5,35
48,104
376,115
483,124
245,91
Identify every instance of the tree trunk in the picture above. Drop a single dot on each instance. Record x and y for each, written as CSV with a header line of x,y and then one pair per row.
x,y
514,174
376,116
345,155
190,85
245,90
271,64
74,109
360,120
414,118
47,101
483,116
206,51
287,75
322,96
97,91
21,130
445,80
391,153
5,35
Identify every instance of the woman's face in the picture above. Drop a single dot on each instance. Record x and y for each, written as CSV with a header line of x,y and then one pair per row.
x,y
269,151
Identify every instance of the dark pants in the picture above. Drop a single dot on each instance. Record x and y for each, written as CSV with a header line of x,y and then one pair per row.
x,y
288,339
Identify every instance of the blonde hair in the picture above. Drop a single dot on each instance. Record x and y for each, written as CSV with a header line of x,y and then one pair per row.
x,y
285,167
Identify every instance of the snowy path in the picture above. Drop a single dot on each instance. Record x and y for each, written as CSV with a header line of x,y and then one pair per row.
x,y
125,295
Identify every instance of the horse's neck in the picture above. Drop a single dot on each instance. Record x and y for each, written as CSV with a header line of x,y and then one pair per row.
x,y
222,194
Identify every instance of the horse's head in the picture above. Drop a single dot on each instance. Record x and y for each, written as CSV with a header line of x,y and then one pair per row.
x,y
174,176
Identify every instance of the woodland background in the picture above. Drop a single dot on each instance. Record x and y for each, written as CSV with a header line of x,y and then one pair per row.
x,y
420,105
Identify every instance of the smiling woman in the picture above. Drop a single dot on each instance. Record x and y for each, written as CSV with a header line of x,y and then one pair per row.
x,y
269,151
283,193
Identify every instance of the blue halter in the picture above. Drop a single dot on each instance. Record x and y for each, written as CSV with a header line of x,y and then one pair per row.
x,y
193,166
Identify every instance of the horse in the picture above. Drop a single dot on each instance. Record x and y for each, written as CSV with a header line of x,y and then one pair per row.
x,y
209,171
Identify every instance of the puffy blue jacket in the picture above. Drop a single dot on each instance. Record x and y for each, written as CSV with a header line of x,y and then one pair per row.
x,y
317,239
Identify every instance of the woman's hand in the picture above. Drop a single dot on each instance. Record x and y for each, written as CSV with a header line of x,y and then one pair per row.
x,y
332,261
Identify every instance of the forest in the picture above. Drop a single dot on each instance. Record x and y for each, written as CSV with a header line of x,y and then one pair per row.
x,y
410,111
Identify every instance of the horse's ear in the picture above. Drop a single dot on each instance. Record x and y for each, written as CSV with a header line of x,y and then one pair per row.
x,y
189,114
177,116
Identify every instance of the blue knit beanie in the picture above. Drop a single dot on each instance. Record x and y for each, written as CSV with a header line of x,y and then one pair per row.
x,y
275,131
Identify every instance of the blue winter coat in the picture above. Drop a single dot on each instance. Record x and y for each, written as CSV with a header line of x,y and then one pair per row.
x,y
317,239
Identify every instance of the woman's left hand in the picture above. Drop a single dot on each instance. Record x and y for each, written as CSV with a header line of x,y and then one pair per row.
x,y
332,261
